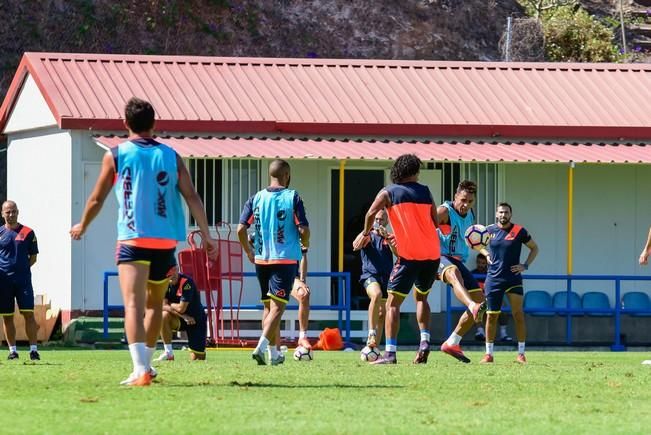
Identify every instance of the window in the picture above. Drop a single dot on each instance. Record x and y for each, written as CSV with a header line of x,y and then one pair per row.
x,y
206,175
486,177
242,178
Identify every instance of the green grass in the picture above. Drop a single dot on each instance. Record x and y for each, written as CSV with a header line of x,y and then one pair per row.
x,y
76,391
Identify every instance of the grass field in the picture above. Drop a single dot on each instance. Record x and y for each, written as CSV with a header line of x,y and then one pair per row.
x,y
76,391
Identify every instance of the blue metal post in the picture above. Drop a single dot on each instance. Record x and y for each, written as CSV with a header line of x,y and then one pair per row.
x,y
618,346
448,311
568,319
106,311
348,303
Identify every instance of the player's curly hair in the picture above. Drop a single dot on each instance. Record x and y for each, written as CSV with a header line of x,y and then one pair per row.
x,y
405,166
467,186
139,115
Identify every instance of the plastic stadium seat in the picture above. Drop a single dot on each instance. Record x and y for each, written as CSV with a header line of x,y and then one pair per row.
x,y
595,300
559,301
637,301
538,300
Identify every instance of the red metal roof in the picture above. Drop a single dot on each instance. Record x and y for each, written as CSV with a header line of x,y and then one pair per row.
x,y
345,97
223,147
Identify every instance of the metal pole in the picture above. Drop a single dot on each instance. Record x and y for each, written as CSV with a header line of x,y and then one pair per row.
x,y
623,27
342,178
570,212
507,49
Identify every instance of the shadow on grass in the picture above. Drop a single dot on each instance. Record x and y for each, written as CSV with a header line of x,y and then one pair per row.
x,y
271,385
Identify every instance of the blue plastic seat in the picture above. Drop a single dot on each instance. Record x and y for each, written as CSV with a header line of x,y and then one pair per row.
x,y
637,301
596,301
538,303
559,301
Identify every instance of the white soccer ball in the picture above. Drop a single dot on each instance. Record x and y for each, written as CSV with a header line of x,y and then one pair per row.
x,y
476,237
303,354
369,354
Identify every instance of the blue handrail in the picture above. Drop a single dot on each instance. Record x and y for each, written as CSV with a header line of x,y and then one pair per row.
x,y
567,311
343,296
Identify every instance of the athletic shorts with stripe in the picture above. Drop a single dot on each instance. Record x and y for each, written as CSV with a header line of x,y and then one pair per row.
x,y
495,293
276,281
409,273
196,333
382,281
160,261
469,281
15,288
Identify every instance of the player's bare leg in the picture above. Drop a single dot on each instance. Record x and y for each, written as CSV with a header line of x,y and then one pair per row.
x,y
453,277
169,324
301,293
10,335
520,326
392,327
133,285
491,328
374,293
270,329
423,312
154,315
31,329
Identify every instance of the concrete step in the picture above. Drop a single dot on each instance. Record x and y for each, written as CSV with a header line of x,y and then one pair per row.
x,y
91,330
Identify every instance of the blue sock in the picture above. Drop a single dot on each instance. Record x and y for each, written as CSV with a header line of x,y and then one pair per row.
x,y
424,335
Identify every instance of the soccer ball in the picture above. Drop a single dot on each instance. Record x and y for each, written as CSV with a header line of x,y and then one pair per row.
x,y
303,354
476,237
369,354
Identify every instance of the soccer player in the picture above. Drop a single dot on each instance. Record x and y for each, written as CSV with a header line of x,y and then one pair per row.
x,y
377,263
412,213
149,179
183,311
280,224
503,319
454,218
18,252
644,260
504,275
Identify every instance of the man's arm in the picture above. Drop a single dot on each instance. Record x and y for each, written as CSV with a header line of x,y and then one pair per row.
x,y
380,202
442,216
533,252
302,268
644,256
32,260
195,205
97,197
243,237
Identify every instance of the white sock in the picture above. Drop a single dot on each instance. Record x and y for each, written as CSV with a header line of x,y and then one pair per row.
x,y
32,348
168,348
424,336
302,334
273,352
489,348
150,355
521,347
138,353
480,330
262,344
12,349
391,348
372,332
503,331
454,339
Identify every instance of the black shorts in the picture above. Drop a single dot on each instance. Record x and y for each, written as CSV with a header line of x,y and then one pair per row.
x,y
15,288
495,294
469,281
409,273
160,261
197,333
276,281
383,282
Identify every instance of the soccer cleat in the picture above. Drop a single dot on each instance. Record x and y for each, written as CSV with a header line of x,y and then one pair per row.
x,y
478,311
455,351
487,359
506,339
258,356
279,360
521,358
304,342
153,373
13,355
423,353
34,356
165,357
387,358
143,380
646,362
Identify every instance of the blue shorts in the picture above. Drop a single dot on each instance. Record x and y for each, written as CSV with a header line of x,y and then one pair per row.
x,y
495,294
469,281
197,333
382,281
160,261
409,273
15,288
276,281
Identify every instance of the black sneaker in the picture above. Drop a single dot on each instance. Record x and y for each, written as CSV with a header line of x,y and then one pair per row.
x,y
506,339
13,355
34,356
480,337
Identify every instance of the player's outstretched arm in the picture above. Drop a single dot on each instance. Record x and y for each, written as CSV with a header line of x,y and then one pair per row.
x,y
644,256
96,199
380,202
195,205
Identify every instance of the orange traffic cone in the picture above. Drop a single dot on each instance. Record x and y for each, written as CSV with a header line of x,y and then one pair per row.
x,y
330,339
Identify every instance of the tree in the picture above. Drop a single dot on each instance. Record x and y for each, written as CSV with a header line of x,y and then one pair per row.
x,y
536,8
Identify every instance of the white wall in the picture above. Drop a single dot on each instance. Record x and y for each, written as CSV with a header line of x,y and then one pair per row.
x,y
31,111
38,179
